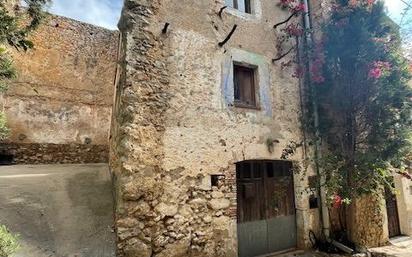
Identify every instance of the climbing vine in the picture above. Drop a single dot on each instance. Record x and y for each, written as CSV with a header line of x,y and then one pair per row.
x,y
365,102
356,73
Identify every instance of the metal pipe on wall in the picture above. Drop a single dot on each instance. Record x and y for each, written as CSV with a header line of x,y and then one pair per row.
x,y
318,152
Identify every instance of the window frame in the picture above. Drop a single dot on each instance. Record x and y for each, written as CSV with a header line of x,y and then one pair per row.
x,y
264,85
254,86
248,6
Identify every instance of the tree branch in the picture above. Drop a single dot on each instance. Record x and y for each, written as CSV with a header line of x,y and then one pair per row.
x,y
283,55
221,11
228,36
164,30
283,22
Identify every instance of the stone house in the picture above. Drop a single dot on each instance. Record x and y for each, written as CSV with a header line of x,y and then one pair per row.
x,y
201,119
198,131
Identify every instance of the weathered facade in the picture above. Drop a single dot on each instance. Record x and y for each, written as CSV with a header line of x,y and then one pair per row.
x,y
59,107
201,119
182,129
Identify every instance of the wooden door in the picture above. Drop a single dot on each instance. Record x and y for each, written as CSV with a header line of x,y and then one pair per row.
x,y
266,207
393,215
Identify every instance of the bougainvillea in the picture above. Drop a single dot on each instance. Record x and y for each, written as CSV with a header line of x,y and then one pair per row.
x,y
292,5
294,30
364,101
356,84
378,69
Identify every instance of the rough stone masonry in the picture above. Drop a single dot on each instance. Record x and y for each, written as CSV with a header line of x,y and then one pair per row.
x,y
175,125
59,107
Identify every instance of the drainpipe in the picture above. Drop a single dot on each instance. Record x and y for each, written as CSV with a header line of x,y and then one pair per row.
x,y
318,152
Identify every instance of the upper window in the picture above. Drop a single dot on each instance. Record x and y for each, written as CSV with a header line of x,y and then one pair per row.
x,y
241,5
244,86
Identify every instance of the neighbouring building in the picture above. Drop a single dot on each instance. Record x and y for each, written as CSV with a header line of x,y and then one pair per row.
x,y
198,132
399,205
59,107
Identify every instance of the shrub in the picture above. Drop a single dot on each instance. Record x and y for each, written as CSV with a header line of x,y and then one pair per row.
x,y
4,130
8,242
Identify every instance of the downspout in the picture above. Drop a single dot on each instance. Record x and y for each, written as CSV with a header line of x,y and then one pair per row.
x,y
318,153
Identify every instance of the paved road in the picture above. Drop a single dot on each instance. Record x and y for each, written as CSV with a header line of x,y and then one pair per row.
x,y
400,247
59,210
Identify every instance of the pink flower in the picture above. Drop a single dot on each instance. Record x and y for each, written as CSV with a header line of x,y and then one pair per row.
x,y
285,3
370,2
299,72
382,65
378,69
337,201
299,8
375,73
353,3
318,79
293,5
294,30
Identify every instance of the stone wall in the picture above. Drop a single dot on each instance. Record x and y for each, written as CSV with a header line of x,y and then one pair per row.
x,y
368,222
63,94
53,153
175,125
403,187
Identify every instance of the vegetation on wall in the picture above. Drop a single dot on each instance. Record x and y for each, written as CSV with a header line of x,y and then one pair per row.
x,y
358,100
15,27
365,102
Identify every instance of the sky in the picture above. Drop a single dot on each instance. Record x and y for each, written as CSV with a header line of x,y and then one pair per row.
x,y
395,9
106,13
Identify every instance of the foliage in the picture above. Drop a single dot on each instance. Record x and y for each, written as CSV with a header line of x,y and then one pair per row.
x,y
365,102
8,242
15,27
4,130
357,84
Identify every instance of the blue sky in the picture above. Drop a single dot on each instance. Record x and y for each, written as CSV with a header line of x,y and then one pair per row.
x,y
395,9
106,13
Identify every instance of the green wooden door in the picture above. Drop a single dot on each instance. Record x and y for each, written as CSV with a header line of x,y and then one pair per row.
x,y
266,208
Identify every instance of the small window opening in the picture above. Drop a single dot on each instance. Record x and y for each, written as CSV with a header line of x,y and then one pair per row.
x,y
235,4
214,180
217,180
313,198
244,86
241,5
313,202
248,8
